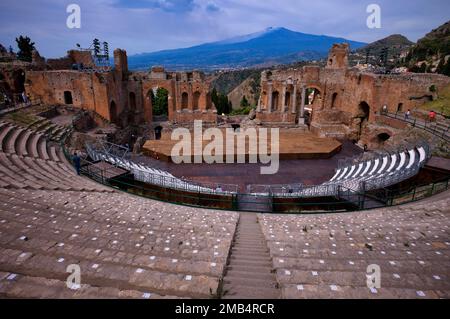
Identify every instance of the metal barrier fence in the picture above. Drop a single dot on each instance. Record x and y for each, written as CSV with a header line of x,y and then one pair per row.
x,y
438,129
320,199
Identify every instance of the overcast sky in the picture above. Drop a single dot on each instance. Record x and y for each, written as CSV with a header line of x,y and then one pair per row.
x,y
151,25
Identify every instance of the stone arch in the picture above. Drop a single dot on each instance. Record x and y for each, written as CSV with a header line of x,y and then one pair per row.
x,y
68,99
184,100
19,81
287,99
400,107
132,101
333,100
161,103
363,117
196,100
158,132
113,112
275,100
383,137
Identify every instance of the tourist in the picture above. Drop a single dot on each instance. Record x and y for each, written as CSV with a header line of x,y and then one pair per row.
x,y
385,109
407,114
77,162
24,97
432,116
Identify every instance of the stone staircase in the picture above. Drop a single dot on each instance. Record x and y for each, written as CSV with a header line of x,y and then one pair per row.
x,y
249,273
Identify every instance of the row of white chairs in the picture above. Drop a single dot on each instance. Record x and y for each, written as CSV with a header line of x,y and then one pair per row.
x,y
390,167
151,175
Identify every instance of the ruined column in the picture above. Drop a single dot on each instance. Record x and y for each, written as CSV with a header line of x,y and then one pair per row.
x,y
302,108
283,98
294,99
269,93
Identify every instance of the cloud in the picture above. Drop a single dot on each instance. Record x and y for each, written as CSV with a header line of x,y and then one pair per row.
x,y
151,25
212,7
166,5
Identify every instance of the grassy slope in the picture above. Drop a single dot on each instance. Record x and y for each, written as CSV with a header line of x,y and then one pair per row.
x,y
442,104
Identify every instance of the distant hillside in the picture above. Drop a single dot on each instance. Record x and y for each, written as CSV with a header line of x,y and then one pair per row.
x,y
397,46
431,53
225,82
265,48
395,43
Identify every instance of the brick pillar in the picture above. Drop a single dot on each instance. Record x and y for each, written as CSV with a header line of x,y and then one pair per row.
x,y
302,108
294,99
269,104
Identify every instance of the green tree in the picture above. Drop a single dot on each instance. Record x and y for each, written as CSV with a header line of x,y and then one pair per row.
x,y
26,48
244,102
161,104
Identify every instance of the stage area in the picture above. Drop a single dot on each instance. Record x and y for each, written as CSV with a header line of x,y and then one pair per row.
x,y
294,145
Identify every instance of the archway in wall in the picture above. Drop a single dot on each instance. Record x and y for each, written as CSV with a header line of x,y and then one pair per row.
x,y
363,116
275,100
113,112
132,101
68,97
19,81
383,137
184,100
158,132
208,101
196,100
333,100
161,102
287,100
400,107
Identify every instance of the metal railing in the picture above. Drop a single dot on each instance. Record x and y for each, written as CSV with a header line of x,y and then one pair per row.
x,y
339,198
439,129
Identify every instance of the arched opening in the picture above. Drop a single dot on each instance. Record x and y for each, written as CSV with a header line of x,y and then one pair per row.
x,y
161,102
400,107
383,137
208,101
363,117
113,112
19,81
184,100
68,97
333,100
312,95
158,132
196,100
275,100
287,100
132,101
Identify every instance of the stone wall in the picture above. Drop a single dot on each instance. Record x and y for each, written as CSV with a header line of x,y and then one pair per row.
x,y
345,101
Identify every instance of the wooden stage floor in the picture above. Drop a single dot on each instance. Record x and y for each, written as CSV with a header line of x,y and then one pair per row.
x,y
293,145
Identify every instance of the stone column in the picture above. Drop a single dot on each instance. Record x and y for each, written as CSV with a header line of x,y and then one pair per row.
x,y
302,107
190,99
269,92
294,99
283,98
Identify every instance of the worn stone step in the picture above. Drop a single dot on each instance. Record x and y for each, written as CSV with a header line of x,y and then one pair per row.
x,y
250,282
243,292
251,274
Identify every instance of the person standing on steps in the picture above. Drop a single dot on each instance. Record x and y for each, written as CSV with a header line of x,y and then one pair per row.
x,y
77,162
407,114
